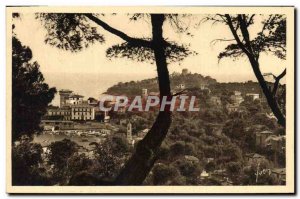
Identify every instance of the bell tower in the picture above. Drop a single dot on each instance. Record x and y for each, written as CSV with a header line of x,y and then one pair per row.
x,y
64,95
129,132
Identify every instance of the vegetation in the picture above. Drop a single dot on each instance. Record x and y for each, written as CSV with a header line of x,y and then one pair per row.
x,y
30,94
133,88
270,39
71,31
209,140
179,148
26,168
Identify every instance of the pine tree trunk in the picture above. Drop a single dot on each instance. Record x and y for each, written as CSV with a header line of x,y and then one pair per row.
x,y
267,92
247,49
141,162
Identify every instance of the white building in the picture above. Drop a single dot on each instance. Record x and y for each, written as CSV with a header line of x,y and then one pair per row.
x,y
261,137
215,100
254,96
203,86
181,86
74,99
92,101
237,98
232,108
204,174
144,92
129,133
83,112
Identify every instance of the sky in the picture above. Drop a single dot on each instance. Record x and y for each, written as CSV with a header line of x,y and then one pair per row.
x,y
92,60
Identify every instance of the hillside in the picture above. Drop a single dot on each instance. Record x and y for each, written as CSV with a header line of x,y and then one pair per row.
x,y
190,81
134,87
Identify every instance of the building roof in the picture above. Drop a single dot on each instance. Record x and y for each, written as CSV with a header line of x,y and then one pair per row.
x,y
76,95
265,132
191,158
271,137
65,91
281,171
204,174
275,138
254,155
82,105
91,98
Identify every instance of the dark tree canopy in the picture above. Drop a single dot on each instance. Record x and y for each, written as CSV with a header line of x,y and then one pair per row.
x,y
30,95
26,158
174,52
70,31
60,151
271,38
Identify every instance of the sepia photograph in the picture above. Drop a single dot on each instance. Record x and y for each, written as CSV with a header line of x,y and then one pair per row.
x,y
150,100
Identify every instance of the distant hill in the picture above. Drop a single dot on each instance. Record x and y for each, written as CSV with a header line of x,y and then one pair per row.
x,y
135,87
189,80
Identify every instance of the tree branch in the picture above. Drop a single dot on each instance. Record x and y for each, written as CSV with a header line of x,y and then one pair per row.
x,y
243,25
277,80
234,33
213,42
122,35
250,20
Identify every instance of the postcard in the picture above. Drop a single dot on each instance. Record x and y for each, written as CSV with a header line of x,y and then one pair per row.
x,y
150,100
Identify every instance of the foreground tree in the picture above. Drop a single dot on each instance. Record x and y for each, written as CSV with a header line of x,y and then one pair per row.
x,y
30,95
59,154
271,39
60,151
26,164
76,31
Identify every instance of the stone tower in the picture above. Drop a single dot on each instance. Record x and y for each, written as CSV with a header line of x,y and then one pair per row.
x,y
129,132
144,92
185,71
64,95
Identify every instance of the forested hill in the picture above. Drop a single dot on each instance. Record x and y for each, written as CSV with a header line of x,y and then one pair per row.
x,y
135,87
190,81
243,87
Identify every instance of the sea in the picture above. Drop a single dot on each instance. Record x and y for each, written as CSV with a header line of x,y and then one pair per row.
x,y
88,84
